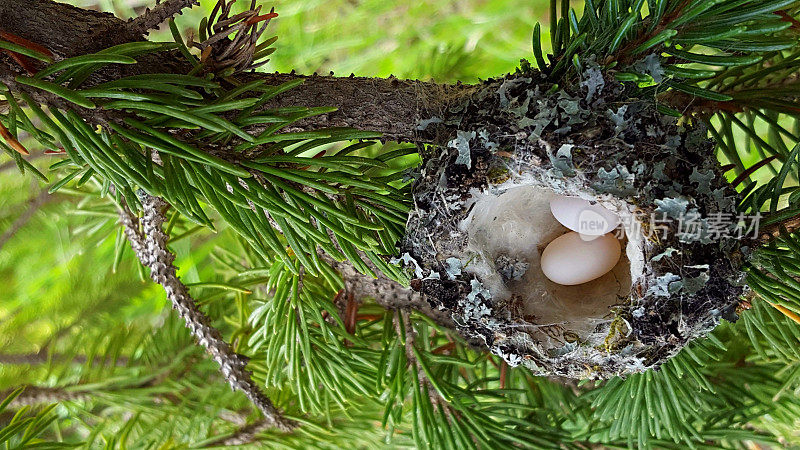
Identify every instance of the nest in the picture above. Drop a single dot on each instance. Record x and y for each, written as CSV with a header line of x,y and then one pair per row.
x,y
481,221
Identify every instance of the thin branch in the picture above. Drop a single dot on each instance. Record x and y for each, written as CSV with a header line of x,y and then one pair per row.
x,y
773,231
246,434
410,340
33,206
34,395
152,18
390,106
63,29
386,292
38,395
94,116
43,357
24,359
8,165
150,246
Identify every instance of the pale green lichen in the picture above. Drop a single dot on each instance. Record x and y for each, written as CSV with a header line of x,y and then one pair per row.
x,y
461,143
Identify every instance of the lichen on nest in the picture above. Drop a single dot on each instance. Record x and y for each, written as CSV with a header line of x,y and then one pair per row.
x,y
596,141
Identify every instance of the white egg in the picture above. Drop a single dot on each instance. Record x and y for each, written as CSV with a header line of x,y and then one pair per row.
x,y
581,216
570,260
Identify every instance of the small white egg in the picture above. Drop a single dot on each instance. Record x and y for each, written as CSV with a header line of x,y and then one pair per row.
x,y
570,260
581,216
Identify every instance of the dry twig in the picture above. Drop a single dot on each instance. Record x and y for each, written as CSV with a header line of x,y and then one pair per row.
x,y
159,14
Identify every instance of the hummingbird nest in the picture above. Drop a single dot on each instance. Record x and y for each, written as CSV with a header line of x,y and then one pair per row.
x,y
482,219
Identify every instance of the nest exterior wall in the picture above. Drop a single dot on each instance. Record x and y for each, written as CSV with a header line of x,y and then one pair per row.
x,y
596,142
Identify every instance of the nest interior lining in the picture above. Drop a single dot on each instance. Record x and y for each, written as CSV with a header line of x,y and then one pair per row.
x,y
513,228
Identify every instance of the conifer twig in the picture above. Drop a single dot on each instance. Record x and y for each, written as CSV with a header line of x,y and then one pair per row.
x,y
246,434
33,206
386,292
410,342
152,18
35,395
43,357
150,246
43,395
788,225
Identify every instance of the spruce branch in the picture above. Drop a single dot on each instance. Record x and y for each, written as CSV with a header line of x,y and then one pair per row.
x,y
774,230
152,18
234,139
198,158
95,116
43,395
150,245
63,29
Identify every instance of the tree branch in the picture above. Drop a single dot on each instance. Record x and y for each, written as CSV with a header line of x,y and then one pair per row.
x,y
152,18
150,246
410,335
64,29
40,395
391,106
773,231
